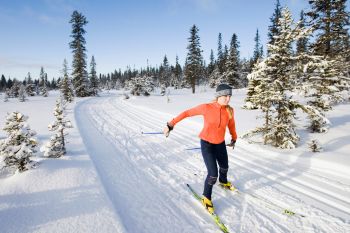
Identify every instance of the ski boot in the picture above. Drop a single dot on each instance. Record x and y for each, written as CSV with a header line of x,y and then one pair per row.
x,y
227,185
208,205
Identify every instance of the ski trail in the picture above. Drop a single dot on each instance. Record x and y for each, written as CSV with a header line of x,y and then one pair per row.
x,y
136,199
145,177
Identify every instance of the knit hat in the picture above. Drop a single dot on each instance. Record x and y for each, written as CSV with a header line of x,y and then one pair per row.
x,y
223,89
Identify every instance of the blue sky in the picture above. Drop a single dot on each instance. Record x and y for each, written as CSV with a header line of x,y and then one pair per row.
x,y
36,33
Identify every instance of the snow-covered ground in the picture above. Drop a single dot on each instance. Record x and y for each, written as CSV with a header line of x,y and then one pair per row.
x,y
114,178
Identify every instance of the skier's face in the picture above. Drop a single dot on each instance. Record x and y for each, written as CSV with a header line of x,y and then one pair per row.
x,y
224,100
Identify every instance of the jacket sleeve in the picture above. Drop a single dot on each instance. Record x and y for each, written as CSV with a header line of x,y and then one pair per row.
x,y
232,126
199,110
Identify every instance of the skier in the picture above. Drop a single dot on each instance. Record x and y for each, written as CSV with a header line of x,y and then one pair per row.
x,y
217,115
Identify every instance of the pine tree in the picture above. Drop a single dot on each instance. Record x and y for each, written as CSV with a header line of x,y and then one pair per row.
x,y
43,82
93,77
77,45
232,72
30,87
194,59
330,21
273,28
164,73
221,57
65,84
258,49
211,65
274,77
2,83
140,85
178,74
20,145
302,43
14,90
56,147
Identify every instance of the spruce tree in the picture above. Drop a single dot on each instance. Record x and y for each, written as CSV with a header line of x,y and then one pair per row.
x,y
330,22
66,85
211,65
93,77
56,147
2,83
274,77
30,87
258,49
20,145
273,28
302,43
79,73
221,55
177,73
232,67
194,59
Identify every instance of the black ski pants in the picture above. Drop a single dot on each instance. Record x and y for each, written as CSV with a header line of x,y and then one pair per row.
x,y
214,154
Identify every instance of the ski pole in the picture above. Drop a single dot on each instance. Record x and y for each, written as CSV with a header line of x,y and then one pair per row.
x,y
194,148
151,132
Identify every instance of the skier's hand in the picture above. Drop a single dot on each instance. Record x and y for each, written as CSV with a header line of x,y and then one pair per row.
x,y
232,144
167,129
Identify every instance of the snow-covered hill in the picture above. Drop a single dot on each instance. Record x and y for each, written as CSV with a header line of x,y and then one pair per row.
x,y
116,179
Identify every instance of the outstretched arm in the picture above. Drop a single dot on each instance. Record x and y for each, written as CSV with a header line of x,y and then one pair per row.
x,y
198,110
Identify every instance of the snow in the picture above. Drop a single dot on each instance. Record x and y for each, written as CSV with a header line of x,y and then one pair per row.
x,y
116,179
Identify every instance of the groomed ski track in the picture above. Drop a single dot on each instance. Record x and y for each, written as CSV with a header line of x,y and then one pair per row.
x,y
145,177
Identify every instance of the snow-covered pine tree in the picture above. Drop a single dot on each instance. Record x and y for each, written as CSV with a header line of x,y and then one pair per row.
x,y
93,77
56,147
275,79
30,86
20,145
215,78
212,63
79,73
177,74
43,82
22,94
232,67
141,85
14,90
66,85
330,21
164,73
194,59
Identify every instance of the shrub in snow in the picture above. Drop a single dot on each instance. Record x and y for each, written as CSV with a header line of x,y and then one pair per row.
x,y
20,144
315,146
55,148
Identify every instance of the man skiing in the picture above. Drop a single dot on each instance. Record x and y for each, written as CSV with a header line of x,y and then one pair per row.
x,y
217,116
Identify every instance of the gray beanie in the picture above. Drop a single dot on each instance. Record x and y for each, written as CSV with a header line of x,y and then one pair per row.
x,y
223,89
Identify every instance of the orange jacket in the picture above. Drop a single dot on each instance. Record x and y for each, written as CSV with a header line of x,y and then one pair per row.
x,y
216,118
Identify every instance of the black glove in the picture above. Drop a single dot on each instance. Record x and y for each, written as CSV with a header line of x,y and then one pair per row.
x,y
167,129
232,144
